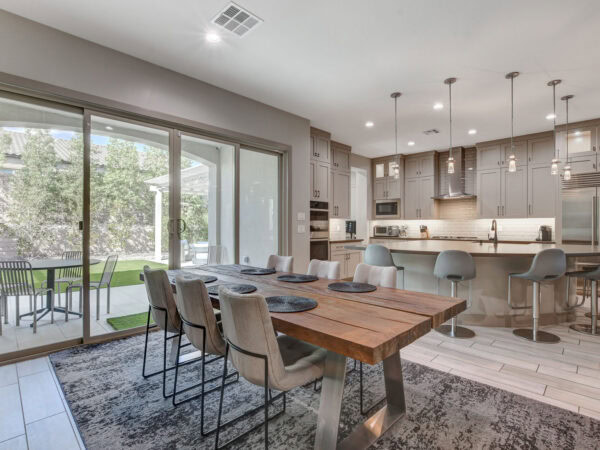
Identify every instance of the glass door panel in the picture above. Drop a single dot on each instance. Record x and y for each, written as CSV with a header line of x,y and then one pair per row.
x,y
129,218
41,192
259,206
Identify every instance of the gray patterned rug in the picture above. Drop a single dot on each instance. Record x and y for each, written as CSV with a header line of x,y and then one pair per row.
x,y
116,408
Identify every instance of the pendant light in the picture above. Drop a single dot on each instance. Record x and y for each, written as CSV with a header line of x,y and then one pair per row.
x,y
567,168
450,82
512,160
396,166
555,160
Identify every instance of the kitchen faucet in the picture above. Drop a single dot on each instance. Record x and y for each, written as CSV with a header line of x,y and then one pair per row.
x,y
495,230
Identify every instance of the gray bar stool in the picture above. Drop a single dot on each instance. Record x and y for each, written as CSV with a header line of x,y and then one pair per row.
x,y
593,276
379,255
547,265
455,266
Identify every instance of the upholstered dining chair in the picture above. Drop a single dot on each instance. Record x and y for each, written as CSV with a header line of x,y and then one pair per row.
x,y
199,324
280,263
262,358
324,269
384,276
163,309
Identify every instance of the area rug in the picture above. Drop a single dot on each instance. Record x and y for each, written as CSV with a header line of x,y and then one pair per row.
x,y
116,408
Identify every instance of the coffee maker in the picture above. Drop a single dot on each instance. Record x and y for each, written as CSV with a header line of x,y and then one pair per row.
x,y
545,233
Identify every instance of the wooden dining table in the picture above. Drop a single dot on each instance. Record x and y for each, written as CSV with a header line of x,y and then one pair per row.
x,y
369,327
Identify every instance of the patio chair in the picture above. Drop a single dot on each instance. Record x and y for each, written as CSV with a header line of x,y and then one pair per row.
x,y
16,279
68,275
105,280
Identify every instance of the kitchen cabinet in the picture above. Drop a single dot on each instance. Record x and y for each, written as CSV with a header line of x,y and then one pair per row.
x,y
520,151
319,181
340,194
489,183
340,156
418,201
320,148
582,164
540,151
583,141
542,191
417,166
489,157
385,185
411,198
348,259
513,199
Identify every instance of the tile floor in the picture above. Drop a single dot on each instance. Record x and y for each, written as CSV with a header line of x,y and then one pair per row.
x,y
33,409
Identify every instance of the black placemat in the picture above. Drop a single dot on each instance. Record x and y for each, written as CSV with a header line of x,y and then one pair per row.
x,y
237,288
257,271
290,303
297,278
351,286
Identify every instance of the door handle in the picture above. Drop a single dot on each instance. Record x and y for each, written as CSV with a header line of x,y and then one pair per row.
x,y
181,226
81,225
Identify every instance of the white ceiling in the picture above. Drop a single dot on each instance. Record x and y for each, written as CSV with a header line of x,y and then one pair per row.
x,y
336,62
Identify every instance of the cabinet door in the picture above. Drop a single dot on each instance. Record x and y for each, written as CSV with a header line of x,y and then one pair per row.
x,y
354,259
380,169
394,187
582,142
313,180
582,164
322,181
341,258
341,194
321,151
520,153
542,191
411,167
488,193
341,159
411,198
379,189
426,166
426,202
540,151
514,193
489,157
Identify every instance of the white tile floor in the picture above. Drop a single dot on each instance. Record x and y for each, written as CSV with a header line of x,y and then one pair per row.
x,y
33,411
124,300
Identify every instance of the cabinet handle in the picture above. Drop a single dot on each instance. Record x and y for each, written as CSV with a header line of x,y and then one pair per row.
x,y
498,162
498,213
502,210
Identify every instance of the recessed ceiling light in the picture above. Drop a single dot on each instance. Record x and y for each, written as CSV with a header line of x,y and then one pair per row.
x,y
438,105
472,131
213,38
410,143
109,128
551,116
369,124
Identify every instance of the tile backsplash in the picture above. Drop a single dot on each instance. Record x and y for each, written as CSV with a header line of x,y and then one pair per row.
x,y
508,229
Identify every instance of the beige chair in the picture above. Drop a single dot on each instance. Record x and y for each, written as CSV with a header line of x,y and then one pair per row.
x,y
199,324
163,309
324,269
261,357
375,275
280,263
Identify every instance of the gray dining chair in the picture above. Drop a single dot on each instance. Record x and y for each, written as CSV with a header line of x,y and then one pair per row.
x,y
262,358
16,280
547,266
379,255
280,263
199,323
67,275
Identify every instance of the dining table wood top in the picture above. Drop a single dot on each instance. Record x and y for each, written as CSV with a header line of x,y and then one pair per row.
x,y
368,327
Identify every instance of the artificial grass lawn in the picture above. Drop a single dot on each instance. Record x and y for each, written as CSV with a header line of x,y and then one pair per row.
x,y
130,321
127,273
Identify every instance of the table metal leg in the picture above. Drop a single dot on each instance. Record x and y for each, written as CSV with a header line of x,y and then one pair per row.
x,y
50,284
376,425
332,391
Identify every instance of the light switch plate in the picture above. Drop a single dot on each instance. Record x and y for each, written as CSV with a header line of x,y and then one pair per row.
x,y
301,229
301,216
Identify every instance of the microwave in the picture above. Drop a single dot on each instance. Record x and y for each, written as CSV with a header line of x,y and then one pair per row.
x,y
387,209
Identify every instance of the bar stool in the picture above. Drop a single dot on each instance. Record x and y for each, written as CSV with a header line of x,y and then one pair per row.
x,y
547,265
378,255
455,266
593,276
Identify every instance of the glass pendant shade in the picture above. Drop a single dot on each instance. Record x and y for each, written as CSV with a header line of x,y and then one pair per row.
x,y
451,164
554,167
512,163
567,173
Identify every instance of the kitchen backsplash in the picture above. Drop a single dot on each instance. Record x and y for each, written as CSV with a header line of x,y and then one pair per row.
x,y
508,229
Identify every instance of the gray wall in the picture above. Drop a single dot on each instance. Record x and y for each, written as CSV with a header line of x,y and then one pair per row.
x,y
40,53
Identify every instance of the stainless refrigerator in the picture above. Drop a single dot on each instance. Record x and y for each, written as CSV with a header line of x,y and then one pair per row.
x,y
580,209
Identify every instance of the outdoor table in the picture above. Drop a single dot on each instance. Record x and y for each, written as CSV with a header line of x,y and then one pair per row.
x,y
50,265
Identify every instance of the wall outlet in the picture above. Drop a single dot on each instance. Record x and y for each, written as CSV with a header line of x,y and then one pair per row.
x,y
301,229
301,216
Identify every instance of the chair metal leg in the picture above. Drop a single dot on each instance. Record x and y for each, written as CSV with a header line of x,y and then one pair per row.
x,y
35,313
17,320
453,330
51,306
592,328
30,303
534,334
108,299
98,303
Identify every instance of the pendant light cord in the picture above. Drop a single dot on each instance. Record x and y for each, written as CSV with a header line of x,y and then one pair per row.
x,y
450,108
567,135
396,122
554,118
512,117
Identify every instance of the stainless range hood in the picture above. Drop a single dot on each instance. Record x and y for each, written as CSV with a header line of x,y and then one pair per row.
x,y
456,180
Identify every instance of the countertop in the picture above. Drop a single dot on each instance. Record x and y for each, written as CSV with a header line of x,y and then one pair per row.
x,y
343,241
434,246
507,241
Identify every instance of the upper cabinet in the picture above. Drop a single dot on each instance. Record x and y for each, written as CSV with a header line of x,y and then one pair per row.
x,y
489,156
386,186
583,141
420,185
340,187
340,156
320,145
420,166
520,152
319,181
540,151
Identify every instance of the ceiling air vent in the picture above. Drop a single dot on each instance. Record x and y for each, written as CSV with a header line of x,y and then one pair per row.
x,y
237,20
430,132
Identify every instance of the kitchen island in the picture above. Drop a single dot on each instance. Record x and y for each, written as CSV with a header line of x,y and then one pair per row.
x,y
489,291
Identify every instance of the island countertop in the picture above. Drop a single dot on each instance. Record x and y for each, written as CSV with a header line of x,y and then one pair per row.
x,y
475,248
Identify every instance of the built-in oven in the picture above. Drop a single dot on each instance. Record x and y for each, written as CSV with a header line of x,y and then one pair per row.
x,y
387,209
319,230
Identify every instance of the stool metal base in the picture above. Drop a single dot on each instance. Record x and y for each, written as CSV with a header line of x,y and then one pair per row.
x,y
542,336
459,332
589,315
584,328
